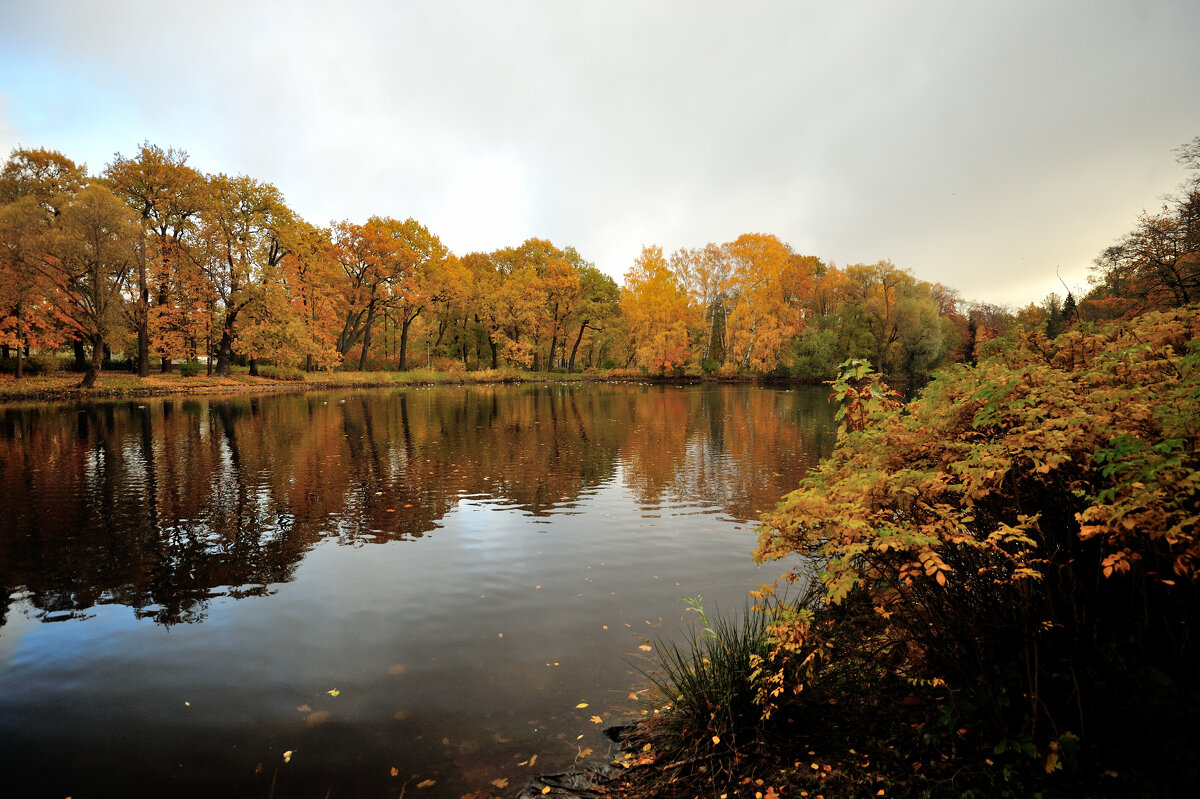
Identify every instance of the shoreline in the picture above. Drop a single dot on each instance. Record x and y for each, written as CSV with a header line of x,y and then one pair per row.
x,y
62,387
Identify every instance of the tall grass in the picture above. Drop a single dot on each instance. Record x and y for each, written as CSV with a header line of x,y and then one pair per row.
x,y
704,716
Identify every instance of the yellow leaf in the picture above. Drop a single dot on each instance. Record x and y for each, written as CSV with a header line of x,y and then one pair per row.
x,y
581,705
395,772
500,783
532,760
334,692
426,783
716,739
597,720
546,789
287,756
645,647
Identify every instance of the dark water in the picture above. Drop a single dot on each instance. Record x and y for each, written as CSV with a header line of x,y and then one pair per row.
x,y
186,583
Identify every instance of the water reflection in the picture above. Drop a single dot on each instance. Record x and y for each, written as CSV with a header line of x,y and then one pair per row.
x,y
161,505
465,565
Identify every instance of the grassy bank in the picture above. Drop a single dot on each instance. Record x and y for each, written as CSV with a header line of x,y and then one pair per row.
x,y
64,385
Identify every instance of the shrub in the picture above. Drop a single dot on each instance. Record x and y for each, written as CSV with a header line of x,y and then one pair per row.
x,y
1022,541
289,373
189,368
41,363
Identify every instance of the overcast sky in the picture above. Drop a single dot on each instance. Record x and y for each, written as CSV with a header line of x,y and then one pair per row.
x,y
984,145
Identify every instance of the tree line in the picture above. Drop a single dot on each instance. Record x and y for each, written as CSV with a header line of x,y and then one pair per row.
x,y
155,259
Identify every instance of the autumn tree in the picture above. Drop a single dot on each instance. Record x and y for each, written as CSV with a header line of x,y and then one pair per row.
x,y
705,274
90,254
658,313
599,302
35,186
1157,264
894,317
167,194
767,280
242,229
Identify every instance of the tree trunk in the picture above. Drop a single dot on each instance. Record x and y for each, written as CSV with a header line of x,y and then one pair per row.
x,y
20,333
253,366
225,348
408,320
495,353
143,320
80,355
94,365
575,349
366,345
366,336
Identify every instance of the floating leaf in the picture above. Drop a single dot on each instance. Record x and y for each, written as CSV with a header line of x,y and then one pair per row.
x,y
581,705
426,783
500,783
334,692
546,789
287,756
645,647
395,772
597,720
716,739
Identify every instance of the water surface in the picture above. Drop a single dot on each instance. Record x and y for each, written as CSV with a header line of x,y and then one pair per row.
x,y
398,587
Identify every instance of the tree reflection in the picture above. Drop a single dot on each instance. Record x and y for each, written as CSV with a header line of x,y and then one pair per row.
x,y
162,505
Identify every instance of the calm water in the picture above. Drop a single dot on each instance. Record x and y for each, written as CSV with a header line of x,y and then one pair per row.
x,y
427,581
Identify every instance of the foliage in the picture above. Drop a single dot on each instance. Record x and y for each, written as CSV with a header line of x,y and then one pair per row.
x,y
189,368
1032,520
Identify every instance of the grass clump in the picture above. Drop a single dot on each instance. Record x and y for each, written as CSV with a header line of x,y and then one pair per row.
x,y
704,714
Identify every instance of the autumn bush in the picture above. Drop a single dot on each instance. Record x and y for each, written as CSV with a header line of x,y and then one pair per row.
x,y
1006,571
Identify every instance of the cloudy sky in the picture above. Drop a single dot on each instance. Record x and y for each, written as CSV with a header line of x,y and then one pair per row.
x,y
984,145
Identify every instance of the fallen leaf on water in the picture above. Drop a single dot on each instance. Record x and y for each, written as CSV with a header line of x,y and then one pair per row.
x,y
532,760
716,739
187,703
585,752
645,647
395,772
389,510
445,742
426,783
581,705
597,720
500,634
500,783
334,692
546,789
604,626
409,505
537,588
287,756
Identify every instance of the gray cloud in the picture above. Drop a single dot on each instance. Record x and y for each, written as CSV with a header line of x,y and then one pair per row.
x,y
980,146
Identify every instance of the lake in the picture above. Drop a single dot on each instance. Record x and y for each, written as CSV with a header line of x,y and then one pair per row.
x,y
387,589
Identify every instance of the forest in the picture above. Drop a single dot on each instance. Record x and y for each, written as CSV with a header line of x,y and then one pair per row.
x,y
153,260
